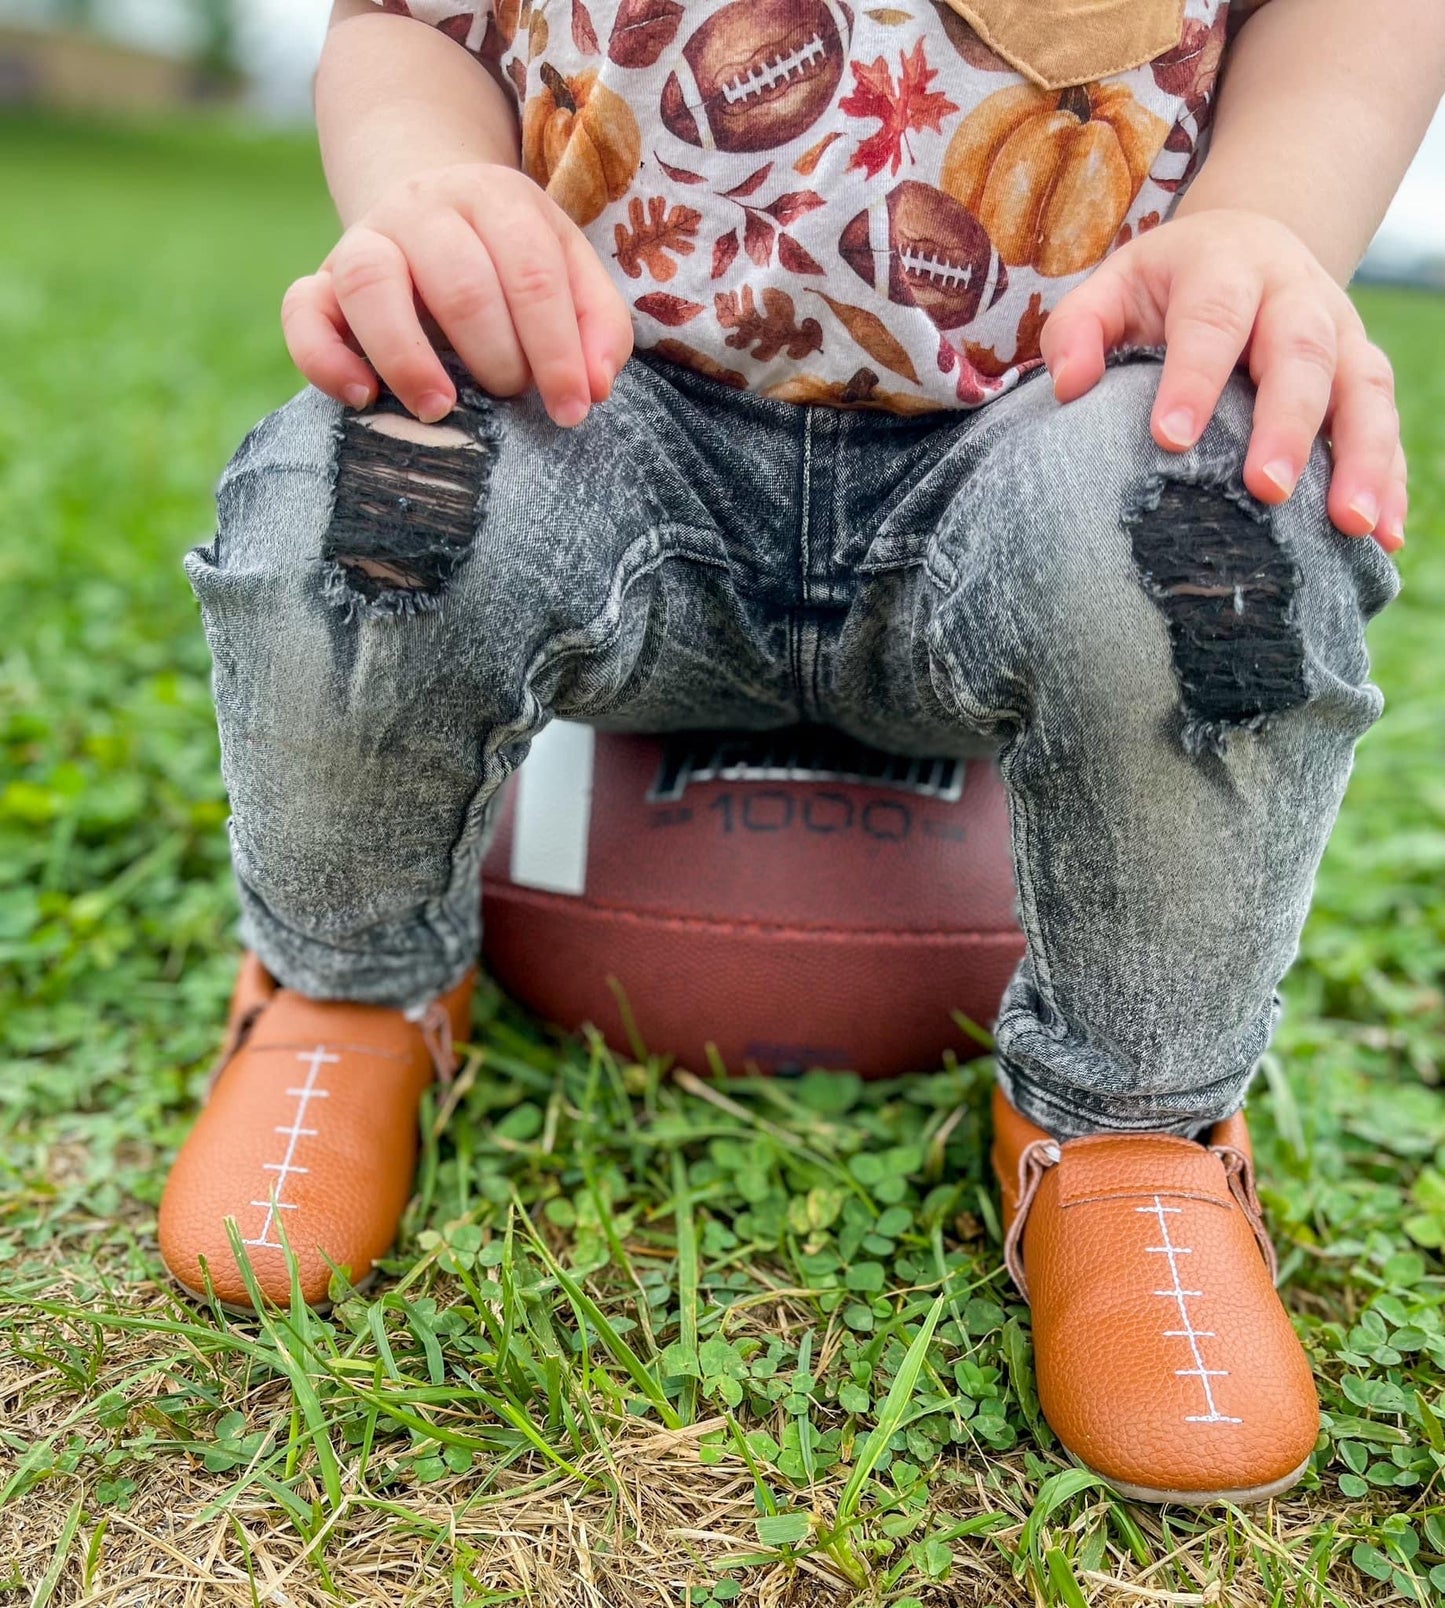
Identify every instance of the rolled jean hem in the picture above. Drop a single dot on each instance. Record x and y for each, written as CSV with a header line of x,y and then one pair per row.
x,y
318,971
1070,1113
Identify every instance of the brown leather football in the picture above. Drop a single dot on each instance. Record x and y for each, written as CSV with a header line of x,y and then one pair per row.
x,y
793,898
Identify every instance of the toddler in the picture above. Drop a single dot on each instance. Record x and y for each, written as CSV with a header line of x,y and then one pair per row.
x,y
742,363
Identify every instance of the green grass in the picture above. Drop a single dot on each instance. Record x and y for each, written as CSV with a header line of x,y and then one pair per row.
x,y
646,1339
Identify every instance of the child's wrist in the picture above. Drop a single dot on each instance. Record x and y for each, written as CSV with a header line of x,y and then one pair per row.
x,y
437,171
1320,234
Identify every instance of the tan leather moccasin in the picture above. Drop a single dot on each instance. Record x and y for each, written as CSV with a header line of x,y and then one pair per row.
x,y
309,1132
1166,1361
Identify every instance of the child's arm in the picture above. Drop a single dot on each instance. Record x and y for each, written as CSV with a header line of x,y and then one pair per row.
x,y
421,153
1322,105
395,98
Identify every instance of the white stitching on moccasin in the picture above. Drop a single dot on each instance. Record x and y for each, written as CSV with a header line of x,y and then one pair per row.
x,y
1181,1297
313,1060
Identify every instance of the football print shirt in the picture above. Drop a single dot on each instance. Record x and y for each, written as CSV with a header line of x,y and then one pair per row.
x,y
853,204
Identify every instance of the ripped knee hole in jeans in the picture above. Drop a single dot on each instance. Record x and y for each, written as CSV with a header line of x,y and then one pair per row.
x,y
1213,565
409,501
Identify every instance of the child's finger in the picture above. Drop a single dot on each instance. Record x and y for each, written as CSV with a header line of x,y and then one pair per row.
x,y
535,280
1364,435
457,282
602,316
1085,324
373,286
1394,505
1292,357
315,334
1206,324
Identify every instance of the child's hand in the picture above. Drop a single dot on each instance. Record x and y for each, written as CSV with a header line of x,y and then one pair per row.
x,y
507,277
1214,285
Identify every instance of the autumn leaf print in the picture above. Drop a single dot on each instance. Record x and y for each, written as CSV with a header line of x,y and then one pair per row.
x,y
642,31
1026,342
466,28
758,236
873,335
1192,67
768,331
669,310
725,249
900,111
761,231
1149,221
652,234
795,258
787,209
860,390
676,351
750,184
970,385
814,154
538,36
584,35
679,175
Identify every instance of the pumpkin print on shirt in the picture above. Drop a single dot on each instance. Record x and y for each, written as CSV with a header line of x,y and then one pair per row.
x,y
837,202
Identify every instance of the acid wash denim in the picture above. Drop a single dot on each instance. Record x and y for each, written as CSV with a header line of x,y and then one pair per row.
x,y
1172,675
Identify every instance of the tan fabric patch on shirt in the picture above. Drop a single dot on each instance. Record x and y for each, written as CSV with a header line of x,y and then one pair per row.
x,y
1056,43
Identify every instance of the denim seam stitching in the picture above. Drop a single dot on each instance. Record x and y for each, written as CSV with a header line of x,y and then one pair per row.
x,y
890,566
797,626
1022,827
603,629
1024,836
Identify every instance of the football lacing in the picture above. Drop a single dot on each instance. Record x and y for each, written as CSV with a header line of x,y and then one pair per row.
x,y
777,71
295,1130
937,270
1181,1298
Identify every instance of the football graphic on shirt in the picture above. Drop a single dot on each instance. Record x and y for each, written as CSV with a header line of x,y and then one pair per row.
x,y
757,73
921,248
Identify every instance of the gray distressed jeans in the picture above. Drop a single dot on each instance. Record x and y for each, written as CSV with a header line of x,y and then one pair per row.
x,y
1172,675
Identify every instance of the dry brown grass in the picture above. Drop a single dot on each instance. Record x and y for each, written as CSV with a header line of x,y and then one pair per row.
x,y
648,1518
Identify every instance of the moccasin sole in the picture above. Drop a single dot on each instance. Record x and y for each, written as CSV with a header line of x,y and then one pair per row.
x,y
1200,1499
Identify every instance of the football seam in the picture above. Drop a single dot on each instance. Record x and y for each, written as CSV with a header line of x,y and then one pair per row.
x,y
670,918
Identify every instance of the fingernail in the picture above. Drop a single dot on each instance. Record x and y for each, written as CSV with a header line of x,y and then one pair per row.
x,y
570,412
1058,375
357,396
1365,505
1178,427
434,407
1392,539
609,374
1280,472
